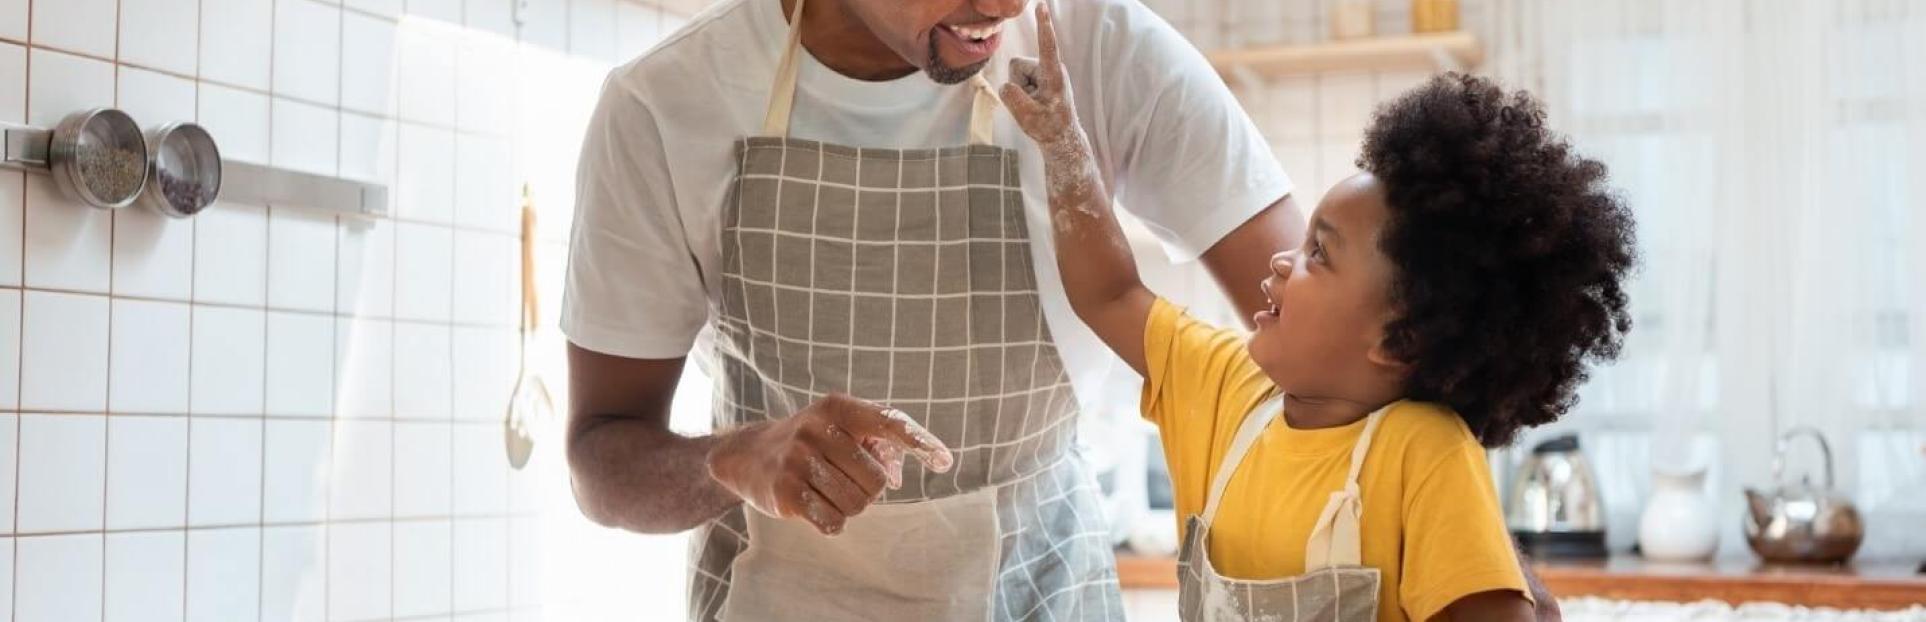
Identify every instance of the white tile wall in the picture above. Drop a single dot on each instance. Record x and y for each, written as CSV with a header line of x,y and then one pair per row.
x,y
592,28
305,137
161,34
223,471
360,571
58,578
300,364
485,289
489,16
230,255
479,474
146,472
63,461
296,471
280,414
155,99
367,63
294,573
545,23
237,39
64,352
13,206
487,103
301,260
153,255
424,265
442,10
147,361
424,560
13,19
9,349
66,241
307,51
364,355
240,120
635,29
229,351
423,378
84,26
424,469
486,192
368,148
9,467
223,574
13,69
481,563
425,61
384,8
144,575
425,189
484,369
366,274
363,470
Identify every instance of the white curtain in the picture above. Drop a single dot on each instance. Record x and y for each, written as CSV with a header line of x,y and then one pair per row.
x,y
1775,155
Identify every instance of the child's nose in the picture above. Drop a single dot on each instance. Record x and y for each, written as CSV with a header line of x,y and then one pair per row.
x,y
1281,263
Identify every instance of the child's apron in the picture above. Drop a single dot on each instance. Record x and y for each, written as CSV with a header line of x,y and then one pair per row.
x,y
902,277
1334,587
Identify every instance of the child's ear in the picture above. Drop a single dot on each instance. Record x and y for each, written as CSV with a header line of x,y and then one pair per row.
x,y
1381,355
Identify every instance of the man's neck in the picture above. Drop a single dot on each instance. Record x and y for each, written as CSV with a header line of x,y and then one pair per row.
x,y
840,40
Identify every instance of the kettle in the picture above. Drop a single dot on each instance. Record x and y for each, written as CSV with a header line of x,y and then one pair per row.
x,y
1800,522
1555,509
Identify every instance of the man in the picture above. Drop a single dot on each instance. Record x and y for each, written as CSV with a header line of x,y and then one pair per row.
x,y
828,188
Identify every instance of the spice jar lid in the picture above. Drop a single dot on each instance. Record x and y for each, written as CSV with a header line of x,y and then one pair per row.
x,y
99,157
185,170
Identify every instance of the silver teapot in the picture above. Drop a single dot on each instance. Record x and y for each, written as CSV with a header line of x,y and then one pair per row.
x,y
1800,522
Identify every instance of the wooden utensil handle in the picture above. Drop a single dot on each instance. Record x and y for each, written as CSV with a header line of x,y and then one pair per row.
x,y
530,304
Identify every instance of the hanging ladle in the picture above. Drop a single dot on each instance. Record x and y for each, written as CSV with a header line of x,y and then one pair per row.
x,y
530,404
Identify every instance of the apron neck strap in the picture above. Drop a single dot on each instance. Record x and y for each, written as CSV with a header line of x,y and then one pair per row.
x,y
1247,432
1335,540
782,95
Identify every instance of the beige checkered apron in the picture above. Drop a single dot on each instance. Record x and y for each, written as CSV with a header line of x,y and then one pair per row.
x,y
1336,585
905,277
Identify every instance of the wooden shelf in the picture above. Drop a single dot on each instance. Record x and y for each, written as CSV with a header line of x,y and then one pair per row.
x,y
1136,572
1862,585
1445,50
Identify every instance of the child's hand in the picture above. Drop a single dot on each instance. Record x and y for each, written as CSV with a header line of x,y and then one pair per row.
x,y
1038,94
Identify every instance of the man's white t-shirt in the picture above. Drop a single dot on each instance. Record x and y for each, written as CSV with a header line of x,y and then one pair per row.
x,y
1174,146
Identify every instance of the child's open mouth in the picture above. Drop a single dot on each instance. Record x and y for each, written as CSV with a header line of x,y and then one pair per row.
x,y
1269,313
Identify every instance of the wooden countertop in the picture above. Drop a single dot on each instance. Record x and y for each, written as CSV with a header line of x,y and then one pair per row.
x,y
1866,584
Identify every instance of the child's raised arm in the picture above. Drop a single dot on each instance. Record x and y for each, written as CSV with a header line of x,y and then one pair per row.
x,y
1099,274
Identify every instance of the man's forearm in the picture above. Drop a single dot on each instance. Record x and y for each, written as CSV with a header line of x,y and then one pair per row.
x,y
643,478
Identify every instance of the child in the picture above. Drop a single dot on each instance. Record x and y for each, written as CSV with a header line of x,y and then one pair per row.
x,y
1332,465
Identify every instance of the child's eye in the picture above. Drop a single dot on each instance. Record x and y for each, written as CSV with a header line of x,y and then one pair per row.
x,y
1317,251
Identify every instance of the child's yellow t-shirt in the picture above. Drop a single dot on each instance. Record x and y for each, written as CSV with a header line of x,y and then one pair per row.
x,y
1431,522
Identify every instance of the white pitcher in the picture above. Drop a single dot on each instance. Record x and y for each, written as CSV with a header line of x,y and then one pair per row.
x,y
1679,523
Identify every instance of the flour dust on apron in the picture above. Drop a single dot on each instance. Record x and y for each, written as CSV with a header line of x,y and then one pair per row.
x,y
1335,586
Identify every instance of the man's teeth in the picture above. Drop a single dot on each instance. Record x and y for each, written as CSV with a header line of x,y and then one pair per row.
x,y
978,33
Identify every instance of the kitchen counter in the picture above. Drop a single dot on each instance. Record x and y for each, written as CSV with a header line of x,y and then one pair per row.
x,y
1866,584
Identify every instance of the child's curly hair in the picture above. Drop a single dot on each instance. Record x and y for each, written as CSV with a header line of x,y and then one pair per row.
x,y
1510,253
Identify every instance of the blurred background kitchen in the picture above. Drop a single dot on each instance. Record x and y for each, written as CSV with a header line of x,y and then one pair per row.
x,y
291,405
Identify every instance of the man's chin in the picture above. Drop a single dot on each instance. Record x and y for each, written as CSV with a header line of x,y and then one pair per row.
x,y
942,73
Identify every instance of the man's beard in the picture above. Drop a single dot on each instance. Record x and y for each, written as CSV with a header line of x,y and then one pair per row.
x,y
945,74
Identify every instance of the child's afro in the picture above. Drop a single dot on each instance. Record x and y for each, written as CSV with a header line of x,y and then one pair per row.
x,y
1511,254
